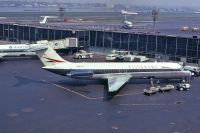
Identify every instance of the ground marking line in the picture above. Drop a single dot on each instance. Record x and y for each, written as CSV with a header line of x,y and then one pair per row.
x,y
84,96
74,92
126,94
144,104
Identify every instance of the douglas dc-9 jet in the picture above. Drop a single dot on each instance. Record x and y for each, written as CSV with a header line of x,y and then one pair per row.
x,y
116,74
16,50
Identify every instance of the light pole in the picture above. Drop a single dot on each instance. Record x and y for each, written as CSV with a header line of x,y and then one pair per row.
x,y
154,14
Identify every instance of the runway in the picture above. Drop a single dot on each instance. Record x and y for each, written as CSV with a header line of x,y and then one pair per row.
x,y
34,100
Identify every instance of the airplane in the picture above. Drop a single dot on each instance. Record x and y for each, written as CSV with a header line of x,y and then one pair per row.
x,y
128,13
14,47
125,13
12,50
115,74
127,24
45,19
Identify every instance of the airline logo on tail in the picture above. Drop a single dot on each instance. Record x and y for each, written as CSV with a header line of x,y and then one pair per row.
x,y
53,60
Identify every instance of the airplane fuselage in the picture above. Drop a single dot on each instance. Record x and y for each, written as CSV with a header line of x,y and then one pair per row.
x,y
14,48
135,70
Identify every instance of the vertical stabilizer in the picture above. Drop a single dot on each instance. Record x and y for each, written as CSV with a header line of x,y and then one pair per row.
x,y
48,56
44,21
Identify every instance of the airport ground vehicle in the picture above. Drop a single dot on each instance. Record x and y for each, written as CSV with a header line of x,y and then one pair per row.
x,y
117,55
166,88
193,69
152,90
135,58
183,87
121,54
82,54
125,56
111,57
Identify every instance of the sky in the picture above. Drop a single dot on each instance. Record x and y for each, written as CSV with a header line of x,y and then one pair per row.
x,y
173,3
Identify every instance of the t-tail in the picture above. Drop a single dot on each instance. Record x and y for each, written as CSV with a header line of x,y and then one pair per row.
x,y
48,56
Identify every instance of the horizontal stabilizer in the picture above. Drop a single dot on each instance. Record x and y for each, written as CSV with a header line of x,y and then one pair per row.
x,y
37,47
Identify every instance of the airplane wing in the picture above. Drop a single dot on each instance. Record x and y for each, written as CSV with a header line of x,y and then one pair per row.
x,y
117,81
1,55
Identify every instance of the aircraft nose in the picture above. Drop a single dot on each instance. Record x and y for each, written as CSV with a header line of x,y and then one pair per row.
x,y
191,74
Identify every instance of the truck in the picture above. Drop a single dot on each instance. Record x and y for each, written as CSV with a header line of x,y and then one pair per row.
x,y
111,57
82,54
117,55
135,58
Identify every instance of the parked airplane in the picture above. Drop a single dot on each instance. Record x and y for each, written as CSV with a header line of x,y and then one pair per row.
x,y
45,19
116,74
16,50
127,24
128,13
14,47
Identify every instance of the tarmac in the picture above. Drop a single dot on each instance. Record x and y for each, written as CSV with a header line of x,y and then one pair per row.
x,y
37,101
166,25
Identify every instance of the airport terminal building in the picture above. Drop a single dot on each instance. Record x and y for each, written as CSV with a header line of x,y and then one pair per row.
x,y
174,48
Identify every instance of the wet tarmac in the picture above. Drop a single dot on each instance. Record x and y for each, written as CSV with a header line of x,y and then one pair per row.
x,y
168,24
34,100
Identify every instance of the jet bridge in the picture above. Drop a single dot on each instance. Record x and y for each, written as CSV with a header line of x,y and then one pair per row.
x,y
61,43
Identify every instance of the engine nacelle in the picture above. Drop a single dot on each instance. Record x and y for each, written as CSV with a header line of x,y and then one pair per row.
x,y
80,74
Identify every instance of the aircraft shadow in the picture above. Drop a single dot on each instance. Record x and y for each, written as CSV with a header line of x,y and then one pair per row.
x,y
78,82
106,94
24,81
21,58
83,83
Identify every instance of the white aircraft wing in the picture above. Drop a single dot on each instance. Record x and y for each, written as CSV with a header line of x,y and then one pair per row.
x,y
116,82
2,55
